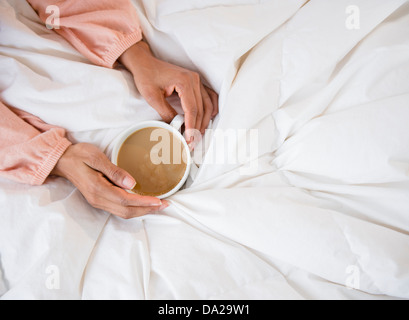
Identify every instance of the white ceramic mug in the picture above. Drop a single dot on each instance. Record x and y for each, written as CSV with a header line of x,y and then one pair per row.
x,y
174,127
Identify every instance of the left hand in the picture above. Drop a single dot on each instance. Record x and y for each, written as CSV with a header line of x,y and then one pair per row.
x,y
102,183
156,80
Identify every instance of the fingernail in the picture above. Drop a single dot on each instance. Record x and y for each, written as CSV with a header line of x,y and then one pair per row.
x,y
189,135
189,139
164,206
129,183
157,204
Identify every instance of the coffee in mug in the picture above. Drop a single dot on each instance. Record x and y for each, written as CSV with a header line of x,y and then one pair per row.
x,y
156,158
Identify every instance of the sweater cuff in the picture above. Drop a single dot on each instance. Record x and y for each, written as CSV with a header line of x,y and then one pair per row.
x,y
51,161
119,48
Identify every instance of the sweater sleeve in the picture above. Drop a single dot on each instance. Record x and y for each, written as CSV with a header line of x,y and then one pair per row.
x,y
99,29
102,30
29,148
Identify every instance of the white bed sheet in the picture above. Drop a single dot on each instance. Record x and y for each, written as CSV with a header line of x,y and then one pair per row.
x,y
326,208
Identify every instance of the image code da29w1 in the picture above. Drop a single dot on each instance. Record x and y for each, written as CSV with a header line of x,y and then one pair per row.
x,y
205,309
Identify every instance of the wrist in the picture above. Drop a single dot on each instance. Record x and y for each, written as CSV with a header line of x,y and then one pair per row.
x,y
48,165
136,56
64,164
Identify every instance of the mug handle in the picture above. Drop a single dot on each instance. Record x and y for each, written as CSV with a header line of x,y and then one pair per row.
x,y
178,122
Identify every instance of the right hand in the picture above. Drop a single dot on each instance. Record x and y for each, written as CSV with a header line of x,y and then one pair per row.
x,y
157,79
102,183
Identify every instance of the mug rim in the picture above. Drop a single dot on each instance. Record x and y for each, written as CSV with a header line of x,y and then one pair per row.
x,y
122,137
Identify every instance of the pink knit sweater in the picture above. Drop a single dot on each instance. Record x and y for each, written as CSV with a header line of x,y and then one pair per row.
x,y
101,30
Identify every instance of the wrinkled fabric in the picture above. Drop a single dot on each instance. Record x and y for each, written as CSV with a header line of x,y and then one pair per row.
x,y
320,213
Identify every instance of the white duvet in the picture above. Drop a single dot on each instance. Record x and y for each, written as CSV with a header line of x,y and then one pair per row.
x,y
321,211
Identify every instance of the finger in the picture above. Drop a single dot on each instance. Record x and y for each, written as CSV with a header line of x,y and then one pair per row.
x,y
101,194
197,90
130,206
116,175
120,197
188,101
132,212
215,101
208,110
156,98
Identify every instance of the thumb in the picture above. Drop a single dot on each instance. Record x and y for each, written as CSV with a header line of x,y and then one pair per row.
x,y
115,174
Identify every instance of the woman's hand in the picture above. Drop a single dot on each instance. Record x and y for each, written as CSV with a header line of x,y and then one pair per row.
x,y
156,80
101,182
